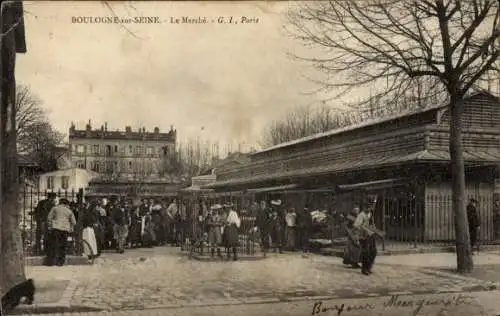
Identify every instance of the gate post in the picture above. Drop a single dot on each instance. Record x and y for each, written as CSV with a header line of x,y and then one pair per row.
x,y
383,221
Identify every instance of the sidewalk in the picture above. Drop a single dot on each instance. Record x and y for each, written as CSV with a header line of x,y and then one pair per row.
x,y
161,278
464,304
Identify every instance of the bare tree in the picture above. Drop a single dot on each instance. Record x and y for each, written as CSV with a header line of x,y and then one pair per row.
x,y
395,43
29,110
36,137
303,121
40,142
194,156
171,166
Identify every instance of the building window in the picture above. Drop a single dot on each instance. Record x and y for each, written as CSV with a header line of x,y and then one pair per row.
x,y
50,183
96,167
138,150
74,148
130,166
89,148
108,150
65,182
130,150
149,151
81,165
80,149
116,149
96,149
165,151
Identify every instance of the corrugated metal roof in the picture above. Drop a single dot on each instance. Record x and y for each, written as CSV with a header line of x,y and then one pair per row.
x,y
366,123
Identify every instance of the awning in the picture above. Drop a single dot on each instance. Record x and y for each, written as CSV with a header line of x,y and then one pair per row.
x,y
274,189
195,188
103,194
375,185
385,159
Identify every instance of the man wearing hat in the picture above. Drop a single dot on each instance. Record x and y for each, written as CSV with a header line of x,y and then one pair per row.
x,y
474,222
214,224
120,221
277,225
40,213
61,221
262,225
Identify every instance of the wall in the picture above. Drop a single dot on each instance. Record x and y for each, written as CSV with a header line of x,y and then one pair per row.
x,y
123,159
481,126
77,179
439,217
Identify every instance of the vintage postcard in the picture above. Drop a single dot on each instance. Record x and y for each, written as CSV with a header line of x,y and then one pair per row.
x,y
246,158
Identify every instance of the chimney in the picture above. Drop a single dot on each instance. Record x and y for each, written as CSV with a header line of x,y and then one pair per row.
x,y
128,129
144,130
102,128
140,130
157,130
106,126
89,126
171,128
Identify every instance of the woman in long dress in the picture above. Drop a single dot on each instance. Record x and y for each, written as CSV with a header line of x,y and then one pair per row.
x,y
231,238
89,220
135,228
352,252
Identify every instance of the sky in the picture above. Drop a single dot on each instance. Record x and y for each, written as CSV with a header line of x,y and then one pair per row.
x,y
214,81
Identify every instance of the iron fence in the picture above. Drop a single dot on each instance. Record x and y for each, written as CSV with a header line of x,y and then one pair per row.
x,y
30,197
197,243
409,220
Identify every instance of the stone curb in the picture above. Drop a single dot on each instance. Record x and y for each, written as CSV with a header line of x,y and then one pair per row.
x,y
256,301
450,275
210,259
70,261
339,252
62,304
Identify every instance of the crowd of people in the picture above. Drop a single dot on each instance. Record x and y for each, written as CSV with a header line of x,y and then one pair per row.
x,y
117,224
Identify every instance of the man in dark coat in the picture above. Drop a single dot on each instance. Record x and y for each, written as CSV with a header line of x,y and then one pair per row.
x,y
120,220
40,213
277,225
304,227
474,223
262,222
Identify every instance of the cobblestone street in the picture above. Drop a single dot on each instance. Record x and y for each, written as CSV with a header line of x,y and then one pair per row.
x,y
139,280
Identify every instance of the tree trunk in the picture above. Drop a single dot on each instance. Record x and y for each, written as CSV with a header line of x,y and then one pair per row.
x,y
462,239
11,255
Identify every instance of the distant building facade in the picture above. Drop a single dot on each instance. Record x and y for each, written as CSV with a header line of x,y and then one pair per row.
x,y
66,180
121,155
